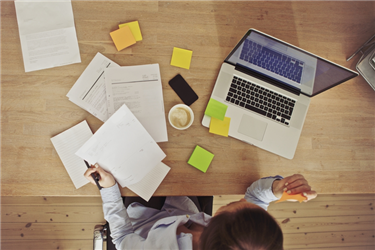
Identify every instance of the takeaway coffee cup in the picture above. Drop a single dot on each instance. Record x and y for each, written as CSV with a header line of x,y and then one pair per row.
x,y
181,116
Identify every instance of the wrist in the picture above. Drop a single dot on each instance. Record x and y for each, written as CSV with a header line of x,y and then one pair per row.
x,y
275,189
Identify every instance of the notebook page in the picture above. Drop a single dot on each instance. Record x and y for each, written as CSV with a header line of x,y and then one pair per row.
x,y
148,185
66,144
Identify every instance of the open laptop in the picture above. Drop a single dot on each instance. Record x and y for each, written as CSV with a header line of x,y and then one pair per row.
x,y
267,85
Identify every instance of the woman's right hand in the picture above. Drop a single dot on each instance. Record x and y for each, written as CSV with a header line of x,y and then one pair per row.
x,y
105,179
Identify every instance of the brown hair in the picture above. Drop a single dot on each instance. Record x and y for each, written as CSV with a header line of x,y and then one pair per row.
x,y
246,228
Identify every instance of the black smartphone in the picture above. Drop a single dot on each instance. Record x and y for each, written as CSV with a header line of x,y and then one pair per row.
x,y
183,90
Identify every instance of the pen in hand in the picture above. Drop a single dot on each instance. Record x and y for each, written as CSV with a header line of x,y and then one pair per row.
x,y
94,176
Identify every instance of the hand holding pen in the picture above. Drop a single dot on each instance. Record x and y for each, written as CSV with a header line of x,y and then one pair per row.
x,y
98,176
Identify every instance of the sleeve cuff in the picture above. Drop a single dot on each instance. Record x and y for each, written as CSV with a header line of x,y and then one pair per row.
x,y
268,181
110,194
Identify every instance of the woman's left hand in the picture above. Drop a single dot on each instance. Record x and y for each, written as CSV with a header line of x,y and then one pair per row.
x,y
294,184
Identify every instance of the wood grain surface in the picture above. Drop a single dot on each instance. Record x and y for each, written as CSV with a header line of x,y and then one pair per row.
x,y
336,149
339,222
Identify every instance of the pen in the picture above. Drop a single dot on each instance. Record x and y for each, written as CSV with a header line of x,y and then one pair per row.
x,y
95,177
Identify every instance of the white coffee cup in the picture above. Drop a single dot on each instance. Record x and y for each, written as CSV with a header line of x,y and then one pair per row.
x,y
181,116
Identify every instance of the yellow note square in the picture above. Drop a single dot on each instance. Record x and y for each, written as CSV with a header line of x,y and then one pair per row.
x,y
122,38
181,58
220,127
134,27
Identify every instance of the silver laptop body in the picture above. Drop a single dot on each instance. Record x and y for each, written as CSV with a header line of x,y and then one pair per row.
x,y
267,85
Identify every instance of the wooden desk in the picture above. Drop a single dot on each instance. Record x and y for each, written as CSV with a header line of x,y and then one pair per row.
x,y
336,149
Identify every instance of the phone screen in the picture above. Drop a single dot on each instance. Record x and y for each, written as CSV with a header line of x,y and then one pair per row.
x,y
183,90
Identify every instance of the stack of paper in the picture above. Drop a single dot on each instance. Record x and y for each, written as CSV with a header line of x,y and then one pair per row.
x,y
121,146
140,88
88,92
104,87
47,32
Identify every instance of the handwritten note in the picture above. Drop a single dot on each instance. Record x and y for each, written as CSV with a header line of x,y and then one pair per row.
x,y
123,147
66,144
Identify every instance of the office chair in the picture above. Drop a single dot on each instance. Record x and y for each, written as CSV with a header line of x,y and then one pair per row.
x,y
366,64
102,238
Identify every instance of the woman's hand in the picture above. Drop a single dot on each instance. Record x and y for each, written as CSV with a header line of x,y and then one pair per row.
x,y
105,179
294,184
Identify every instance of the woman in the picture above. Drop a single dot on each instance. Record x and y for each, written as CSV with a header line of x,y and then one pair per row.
x,y
244,224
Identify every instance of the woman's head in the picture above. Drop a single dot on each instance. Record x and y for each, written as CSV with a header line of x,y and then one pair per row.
x,y
242,225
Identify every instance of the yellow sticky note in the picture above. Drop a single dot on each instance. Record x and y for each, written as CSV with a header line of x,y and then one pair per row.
x,y
297,197
220,127
134,27
122,38
181,58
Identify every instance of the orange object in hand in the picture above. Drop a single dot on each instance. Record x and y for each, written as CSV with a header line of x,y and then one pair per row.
x,y
297,197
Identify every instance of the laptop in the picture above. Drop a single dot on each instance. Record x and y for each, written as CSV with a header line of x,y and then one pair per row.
x,y
267,85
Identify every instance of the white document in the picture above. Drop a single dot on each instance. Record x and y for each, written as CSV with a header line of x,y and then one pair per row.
x,y
89,91
47,33
148,185
140,88
66,144
123,147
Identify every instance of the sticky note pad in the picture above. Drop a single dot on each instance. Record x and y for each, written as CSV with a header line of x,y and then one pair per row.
x,y
220,127
297,197
201,159
134,27
181,58
122,38
216,109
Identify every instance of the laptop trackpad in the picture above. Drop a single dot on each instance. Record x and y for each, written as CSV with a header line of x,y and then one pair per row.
x,y
252,127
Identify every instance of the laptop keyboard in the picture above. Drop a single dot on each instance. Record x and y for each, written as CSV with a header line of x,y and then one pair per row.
x,y
260,100
272,60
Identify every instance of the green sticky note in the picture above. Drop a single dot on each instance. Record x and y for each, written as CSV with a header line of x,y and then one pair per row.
x,y
201,159
220,127
216,109
134,27
181,58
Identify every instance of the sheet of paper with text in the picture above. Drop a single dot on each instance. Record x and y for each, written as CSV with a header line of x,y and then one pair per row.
x,y
89,92
140,88
47,33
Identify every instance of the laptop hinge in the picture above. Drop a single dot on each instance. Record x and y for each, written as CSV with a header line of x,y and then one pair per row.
x,y
267,79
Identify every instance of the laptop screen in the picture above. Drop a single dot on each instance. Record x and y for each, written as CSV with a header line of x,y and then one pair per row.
x,y
287,64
